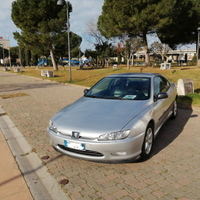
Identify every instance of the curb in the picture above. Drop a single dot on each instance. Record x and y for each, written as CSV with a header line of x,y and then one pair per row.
x,y
52,81
40,183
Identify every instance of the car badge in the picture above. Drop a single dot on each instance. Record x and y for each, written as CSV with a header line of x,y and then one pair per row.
x,y
75,134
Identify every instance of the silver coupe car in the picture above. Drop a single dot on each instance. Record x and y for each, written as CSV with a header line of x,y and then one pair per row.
x,y
117,119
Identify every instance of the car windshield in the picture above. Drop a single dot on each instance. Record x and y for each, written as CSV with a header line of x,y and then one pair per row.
x,y
130,88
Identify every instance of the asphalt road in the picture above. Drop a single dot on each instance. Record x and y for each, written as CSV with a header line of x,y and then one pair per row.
x,y
173,172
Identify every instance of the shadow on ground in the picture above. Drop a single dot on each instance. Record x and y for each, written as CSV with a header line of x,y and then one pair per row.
x,y
27,86
173,128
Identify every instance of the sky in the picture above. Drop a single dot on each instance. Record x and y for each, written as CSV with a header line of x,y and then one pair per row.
x,y
83,12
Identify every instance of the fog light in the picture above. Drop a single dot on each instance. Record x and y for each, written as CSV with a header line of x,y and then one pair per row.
x,y
118,154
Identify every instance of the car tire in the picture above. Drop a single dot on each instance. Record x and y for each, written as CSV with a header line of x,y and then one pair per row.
x,y
148,143
174,111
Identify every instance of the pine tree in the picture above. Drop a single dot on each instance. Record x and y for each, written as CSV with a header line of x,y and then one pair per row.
x,y
180,22
41,23
167,18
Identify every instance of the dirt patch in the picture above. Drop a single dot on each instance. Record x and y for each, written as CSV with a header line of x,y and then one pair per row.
x,y
6,96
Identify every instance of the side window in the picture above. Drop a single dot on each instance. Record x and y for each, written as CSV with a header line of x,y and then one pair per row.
x,y
160,85
164,84
156,83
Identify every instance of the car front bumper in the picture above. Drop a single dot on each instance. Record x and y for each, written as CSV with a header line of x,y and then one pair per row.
x,y
95,150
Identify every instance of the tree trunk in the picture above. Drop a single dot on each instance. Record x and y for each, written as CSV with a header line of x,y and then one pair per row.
x,y
107,63
147,57
55,67
132,60
167,59
128,63
163,59
103,62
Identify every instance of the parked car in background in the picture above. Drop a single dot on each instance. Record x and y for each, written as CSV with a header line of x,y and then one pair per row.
x,y
117,119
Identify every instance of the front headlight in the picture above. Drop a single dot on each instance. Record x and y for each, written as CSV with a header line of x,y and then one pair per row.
x,y
52,127
115,135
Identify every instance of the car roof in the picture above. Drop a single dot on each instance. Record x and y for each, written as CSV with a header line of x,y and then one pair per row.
x,y
148,75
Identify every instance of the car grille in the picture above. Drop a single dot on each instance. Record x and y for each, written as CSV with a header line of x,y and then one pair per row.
x,y
87,152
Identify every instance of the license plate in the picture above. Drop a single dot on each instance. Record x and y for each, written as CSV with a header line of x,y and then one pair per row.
x,y
74,145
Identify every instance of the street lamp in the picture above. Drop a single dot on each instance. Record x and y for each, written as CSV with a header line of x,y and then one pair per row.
x,y
198,31
62,3
9,50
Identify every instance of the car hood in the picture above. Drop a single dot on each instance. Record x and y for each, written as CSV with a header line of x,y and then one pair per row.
x,y
97,116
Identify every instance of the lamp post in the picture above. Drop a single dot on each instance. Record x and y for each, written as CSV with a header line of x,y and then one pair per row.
x,y
198,31
9,50
62,3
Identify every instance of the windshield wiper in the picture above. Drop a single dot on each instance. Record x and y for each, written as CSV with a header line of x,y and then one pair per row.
x,y
100,97
121,98
92,96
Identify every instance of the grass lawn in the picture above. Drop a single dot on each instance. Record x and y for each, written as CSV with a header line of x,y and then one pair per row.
x,y
89,76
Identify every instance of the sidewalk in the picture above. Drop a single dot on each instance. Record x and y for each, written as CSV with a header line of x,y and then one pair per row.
x,y
12,183
41,185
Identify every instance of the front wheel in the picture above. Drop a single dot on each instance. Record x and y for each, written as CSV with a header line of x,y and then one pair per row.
x,y
174,111
148,143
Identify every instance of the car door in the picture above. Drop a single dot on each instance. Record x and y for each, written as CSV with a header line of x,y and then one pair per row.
x,y
160,84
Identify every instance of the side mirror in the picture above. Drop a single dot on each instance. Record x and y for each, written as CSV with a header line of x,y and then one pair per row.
x,y
85,91
162,95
